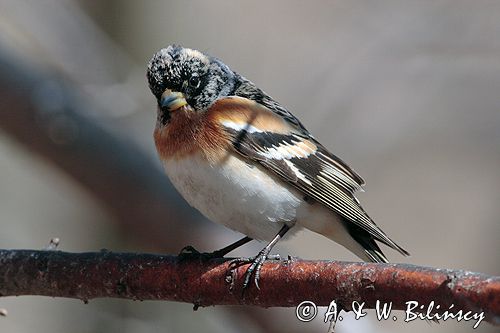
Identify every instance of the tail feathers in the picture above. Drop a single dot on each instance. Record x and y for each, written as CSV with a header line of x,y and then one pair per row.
x,y
370,247
399,249
385,239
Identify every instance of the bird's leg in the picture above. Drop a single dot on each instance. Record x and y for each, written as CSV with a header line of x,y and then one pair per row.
x,y
259,259
225,250
191,252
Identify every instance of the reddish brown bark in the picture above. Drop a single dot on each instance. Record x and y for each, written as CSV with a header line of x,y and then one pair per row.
x,y
283,283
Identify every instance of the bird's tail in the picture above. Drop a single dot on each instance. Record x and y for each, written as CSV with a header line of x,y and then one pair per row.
x,y
370,248
370,251
352,237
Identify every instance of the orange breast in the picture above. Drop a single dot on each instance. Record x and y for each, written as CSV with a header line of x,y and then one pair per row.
x,y
190,132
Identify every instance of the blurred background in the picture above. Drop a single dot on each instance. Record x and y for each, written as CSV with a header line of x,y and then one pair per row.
x,y
407,92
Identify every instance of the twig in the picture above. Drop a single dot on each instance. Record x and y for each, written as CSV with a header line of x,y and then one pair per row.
x,y
283,283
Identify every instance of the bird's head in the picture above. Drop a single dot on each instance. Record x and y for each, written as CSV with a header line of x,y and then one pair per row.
x,y
180,76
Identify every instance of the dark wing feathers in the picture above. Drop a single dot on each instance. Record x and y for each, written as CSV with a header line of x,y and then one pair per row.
x,y
340,167
304,163
257,147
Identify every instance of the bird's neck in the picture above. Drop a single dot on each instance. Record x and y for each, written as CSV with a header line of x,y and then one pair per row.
x,y
188,133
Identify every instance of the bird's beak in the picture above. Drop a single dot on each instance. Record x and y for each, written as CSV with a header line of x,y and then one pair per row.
x,y
172,100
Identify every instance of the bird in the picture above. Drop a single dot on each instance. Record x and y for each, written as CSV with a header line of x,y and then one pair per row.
x,y
244,161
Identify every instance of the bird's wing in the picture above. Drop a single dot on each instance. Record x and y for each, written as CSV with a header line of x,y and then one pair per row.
x,y
268,139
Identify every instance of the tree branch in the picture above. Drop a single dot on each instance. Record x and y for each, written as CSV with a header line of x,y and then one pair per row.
x,y
283,283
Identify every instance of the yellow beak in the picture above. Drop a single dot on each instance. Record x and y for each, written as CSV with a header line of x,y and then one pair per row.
x,y
172,100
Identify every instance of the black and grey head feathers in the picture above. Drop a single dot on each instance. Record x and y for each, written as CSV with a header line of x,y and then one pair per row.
x,y
204,79
201,78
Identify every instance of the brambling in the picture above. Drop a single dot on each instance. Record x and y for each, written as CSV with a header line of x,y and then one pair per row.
x,y
245,161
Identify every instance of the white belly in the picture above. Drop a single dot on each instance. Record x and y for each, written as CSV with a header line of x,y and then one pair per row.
x,y
238,195
247,199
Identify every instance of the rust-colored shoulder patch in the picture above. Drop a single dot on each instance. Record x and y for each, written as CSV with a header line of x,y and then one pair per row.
x,y
242,113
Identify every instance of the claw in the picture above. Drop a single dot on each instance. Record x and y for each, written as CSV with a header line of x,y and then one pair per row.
x,y
256,264
257,261
189,252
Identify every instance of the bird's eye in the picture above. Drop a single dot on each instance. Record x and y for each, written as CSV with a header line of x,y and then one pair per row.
x,y
194,81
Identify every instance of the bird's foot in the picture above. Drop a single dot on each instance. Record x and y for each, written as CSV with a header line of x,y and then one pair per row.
x,y
254,269
190,253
